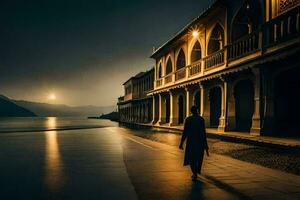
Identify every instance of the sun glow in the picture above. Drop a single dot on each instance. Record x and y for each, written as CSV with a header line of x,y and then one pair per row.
x,y
52,96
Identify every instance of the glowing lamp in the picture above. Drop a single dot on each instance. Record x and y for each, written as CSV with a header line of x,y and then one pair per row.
x,y
195,33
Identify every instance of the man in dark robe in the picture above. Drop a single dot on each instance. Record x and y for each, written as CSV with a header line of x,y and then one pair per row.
x,y
195,134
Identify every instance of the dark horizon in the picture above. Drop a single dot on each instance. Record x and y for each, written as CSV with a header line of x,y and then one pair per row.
x,y
82,52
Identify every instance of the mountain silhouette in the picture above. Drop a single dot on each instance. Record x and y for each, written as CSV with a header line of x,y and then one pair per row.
x,y
10,109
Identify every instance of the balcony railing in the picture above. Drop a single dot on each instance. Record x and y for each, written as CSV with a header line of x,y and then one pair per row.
x,y
180,74
214,60
169,78
283,27
158,82
244,46
195,68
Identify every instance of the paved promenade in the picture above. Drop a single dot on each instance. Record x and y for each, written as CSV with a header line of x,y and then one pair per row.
x,y
111,163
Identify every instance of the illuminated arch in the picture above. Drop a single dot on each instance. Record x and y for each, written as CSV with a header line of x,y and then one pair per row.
x,y
169,66
216,40
180,61
159,71
196,53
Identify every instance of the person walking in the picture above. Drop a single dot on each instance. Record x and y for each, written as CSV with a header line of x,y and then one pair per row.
x,y
195,134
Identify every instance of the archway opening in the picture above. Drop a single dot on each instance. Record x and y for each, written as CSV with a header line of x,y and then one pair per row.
x,y
287,98
215,106
244,105
196,52
197,100
180,63
216,40
180,109
247,19
169,67
159,73
168,109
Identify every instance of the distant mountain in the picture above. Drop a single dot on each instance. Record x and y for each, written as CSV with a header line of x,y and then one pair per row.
x,y
58,110
9,109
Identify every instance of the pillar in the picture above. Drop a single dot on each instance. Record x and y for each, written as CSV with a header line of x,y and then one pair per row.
x,y
162,109
256,125
153,109
173,108
188,101
205,105
222,120
230,122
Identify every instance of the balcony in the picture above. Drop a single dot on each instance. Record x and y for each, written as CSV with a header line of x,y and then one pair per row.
x,y
180,74
158,82
274,35
169,78
282,28
244,46
214,60
195,68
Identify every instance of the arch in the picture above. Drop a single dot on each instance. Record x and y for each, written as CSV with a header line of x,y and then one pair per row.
x,y
286,102
196,53
246,20
169,66
216,39
159,71
181,114
215,99
244,104
180,61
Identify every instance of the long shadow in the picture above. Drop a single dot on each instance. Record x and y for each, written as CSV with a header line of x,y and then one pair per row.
x,y
227,187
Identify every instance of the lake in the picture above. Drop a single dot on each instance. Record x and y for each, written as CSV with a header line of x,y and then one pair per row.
x,y
29,124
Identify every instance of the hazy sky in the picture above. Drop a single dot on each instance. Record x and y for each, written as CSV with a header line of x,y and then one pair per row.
x,y
82,51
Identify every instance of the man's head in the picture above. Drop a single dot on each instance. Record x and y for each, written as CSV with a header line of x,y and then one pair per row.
x,y
194,110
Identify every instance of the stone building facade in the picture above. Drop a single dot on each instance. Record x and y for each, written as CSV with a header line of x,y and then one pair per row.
x,y
238,62
135,106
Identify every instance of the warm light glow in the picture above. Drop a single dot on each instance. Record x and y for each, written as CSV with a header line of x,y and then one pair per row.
x,y
52,96
195,33
54,175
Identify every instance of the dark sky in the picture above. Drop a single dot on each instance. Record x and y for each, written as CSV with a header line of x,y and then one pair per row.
x,y
82,51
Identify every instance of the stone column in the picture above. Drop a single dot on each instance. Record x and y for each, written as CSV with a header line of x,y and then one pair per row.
x,y
173,109
222,120
256,125
162,109
153,109
205,105
188,101
230,122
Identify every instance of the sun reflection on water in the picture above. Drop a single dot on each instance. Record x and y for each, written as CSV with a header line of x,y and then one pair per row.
x,y
51,122
54,175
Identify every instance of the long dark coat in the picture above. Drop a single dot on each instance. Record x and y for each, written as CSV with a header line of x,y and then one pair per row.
x,y
194,132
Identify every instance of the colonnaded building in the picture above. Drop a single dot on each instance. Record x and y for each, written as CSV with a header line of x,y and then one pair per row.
x,y
238,62
135,106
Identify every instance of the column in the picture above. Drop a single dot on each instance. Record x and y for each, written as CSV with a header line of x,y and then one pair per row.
x,y
222,120
189,102
205,104
153,109
173,108
162,109
230,122
256,125
171,123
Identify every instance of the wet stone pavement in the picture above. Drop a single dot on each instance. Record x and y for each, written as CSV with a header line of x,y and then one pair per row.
x,y
283,159
113,163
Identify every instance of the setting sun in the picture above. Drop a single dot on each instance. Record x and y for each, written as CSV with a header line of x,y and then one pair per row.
x,y
52,96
